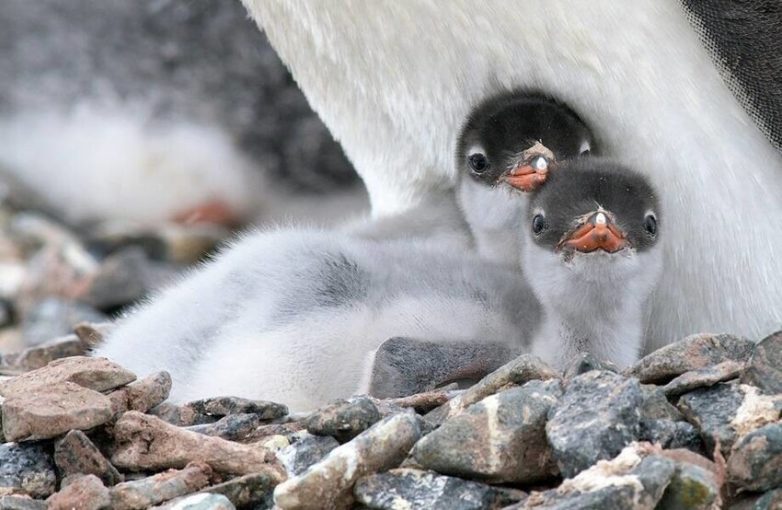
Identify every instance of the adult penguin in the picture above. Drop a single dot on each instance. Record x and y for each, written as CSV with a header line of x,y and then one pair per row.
x,y
393,80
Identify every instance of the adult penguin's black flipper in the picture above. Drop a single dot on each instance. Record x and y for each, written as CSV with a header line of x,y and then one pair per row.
x,y
745,39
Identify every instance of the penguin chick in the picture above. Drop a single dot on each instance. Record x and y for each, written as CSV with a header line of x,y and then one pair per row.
x,y
592,255
511,138
297,315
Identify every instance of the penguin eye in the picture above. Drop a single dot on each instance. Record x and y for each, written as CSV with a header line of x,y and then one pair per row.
x,y
650,224
478,163
538,224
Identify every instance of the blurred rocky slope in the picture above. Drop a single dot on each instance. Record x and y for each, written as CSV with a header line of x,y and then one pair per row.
x,y
88,88
122,122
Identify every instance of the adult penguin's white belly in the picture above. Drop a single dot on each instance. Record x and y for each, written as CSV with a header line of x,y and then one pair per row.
x,y
394,81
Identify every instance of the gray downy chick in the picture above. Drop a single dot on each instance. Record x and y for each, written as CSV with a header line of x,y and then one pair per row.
x,y
592,253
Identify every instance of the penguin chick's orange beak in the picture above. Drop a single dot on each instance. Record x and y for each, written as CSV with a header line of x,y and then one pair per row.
x,y
532,170
597,233
526,178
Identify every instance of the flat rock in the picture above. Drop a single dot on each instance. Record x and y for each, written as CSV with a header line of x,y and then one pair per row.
x,y
691,353
26,469
224,406
636,478
329,483
406,366
421,402
148,443
343,419
54,409
140,494
515,373
725,412
598,415
234,427
586,362
39,356
703,377
764,369
21,503
755,463
500,439
75,454
181,416
141,395
97,374
415,489
305,450
82,492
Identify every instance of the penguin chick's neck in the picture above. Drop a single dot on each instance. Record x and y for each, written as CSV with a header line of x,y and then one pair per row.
x,y
602,314
592,254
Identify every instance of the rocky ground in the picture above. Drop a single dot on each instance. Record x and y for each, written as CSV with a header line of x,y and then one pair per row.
x,y
695,425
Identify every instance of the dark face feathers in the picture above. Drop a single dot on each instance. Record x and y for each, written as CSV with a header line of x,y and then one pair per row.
x,y
578,187
507,124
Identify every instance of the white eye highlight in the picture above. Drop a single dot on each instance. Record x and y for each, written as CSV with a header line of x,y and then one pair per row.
x,y
585,147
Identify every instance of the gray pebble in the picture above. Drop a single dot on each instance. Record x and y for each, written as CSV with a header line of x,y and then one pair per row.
x,y
703,377
424,490
691,353
343,419
223,406
756,461
305,450
27,468
764,369
598,415
500,439
725,412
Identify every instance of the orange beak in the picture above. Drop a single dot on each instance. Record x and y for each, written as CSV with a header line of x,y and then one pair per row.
x,y
597,233
526,178
532,171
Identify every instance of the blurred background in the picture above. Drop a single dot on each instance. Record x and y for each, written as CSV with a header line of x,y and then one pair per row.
x,y
135,136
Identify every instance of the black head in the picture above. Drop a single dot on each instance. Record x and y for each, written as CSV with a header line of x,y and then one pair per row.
x,y
592,204
504,126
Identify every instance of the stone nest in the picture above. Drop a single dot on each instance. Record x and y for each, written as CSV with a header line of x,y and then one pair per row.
x,y
694,425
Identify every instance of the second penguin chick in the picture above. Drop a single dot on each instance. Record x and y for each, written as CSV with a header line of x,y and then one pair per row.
x,y
506,146
593,257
